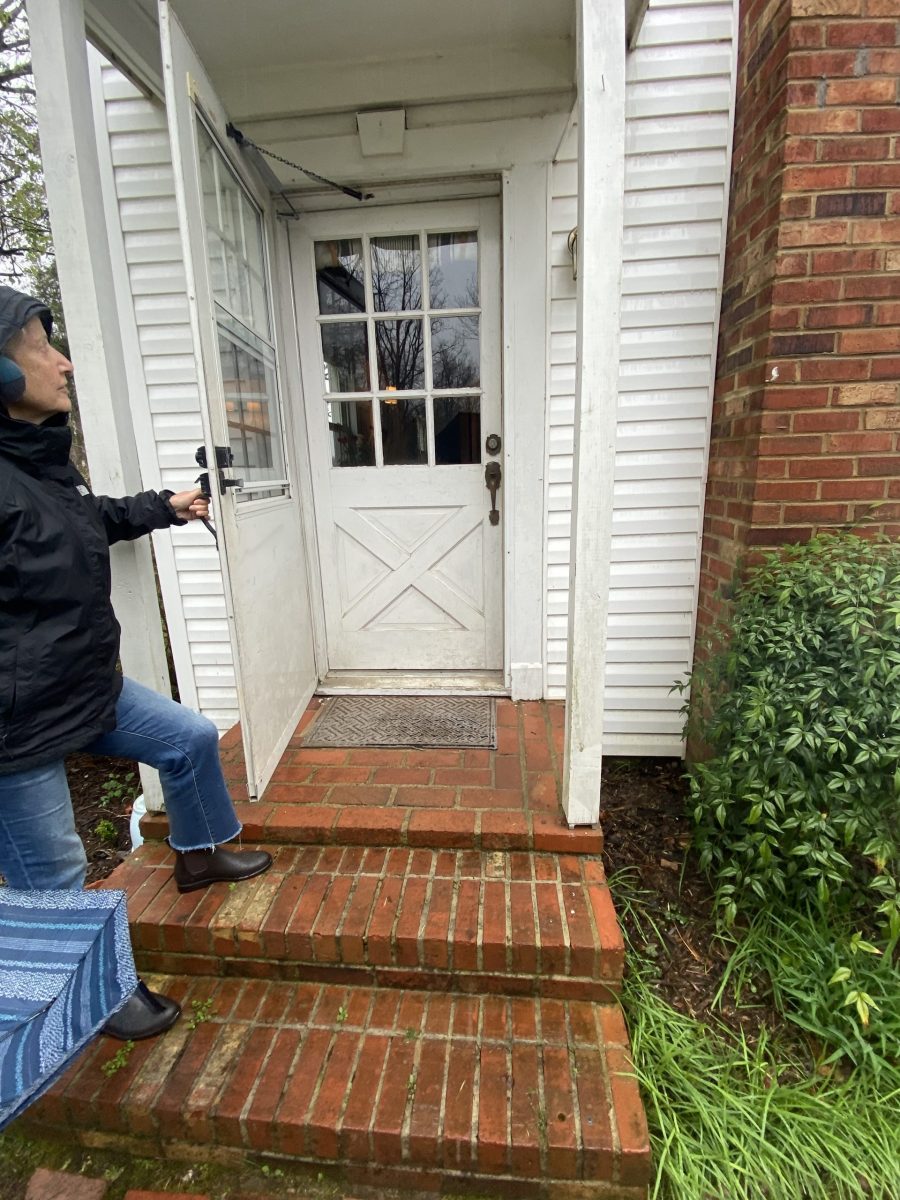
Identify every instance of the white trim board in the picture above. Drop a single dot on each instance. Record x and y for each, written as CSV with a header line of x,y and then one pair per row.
x,y
525,340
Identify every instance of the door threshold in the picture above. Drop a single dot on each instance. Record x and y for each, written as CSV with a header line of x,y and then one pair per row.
x,y
413,683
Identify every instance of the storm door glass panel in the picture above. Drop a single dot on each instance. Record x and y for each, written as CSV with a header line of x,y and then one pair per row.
x,y
251,406
234,240
340,276
253,267
453,270
215,247
404,433
236,253
396,273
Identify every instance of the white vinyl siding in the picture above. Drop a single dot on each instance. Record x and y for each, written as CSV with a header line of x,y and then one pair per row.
x,y
188,562
678,131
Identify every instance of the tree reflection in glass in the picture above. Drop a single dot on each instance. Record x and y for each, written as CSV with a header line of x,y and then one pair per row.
x,y
394,319
397,274
455,352
345,351
400,346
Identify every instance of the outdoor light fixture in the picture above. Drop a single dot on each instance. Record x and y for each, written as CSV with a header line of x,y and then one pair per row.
x,y
381,132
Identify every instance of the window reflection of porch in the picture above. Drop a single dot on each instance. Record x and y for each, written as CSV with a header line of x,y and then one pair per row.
x,y
237,271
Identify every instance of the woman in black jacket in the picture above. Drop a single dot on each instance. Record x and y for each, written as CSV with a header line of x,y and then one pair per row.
x,y
60,689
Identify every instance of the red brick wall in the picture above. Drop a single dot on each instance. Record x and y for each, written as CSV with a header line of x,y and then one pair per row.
x,y
806,417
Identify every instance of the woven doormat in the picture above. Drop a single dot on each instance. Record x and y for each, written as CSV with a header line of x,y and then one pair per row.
x,y
404,721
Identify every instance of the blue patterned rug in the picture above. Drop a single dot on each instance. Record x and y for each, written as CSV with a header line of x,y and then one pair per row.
x,y
65,967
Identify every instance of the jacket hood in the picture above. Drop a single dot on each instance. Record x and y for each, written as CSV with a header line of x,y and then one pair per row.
x,y
37,449
34,448
16,310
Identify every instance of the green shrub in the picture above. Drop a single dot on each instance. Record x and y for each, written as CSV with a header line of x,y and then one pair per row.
x,y
799,704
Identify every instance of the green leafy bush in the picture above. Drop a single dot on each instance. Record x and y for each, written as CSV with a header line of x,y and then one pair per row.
x,y
799,704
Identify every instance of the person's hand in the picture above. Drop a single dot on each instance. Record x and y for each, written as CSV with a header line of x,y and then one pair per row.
x,y
190,506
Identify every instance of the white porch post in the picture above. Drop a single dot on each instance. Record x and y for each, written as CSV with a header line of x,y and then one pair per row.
x,y
601,166
72,177
525,202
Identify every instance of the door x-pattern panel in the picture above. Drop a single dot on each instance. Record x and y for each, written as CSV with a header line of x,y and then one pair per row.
x,y
432,566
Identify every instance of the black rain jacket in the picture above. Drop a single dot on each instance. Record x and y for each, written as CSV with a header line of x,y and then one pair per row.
x,y
59,638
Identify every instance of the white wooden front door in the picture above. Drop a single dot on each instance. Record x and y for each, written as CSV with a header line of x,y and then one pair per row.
x,y
227,244
399,326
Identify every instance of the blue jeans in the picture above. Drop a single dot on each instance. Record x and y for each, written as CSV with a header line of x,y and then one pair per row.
x,y
39,846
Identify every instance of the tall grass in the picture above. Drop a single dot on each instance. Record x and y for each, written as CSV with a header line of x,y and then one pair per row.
x,y
841,990
735,1120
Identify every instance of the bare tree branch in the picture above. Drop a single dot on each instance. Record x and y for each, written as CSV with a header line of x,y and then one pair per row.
x,y
20,72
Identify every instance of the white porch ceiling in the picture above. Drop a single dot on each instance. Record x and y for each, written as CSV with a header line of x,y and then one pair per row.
x,y
274,58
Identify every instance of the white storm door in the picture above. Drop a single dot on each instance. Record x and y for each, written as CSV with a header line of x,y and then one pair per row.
x,y
227,250
399,323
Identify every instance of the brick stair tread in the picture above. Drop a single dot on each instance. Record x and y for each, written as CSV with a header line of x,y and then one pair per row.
x,y
407,1088
378,825
516,922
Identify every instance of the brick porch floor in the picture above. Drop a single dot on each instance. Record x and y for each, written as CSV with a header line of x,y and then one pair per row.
x,y
420,993
503,799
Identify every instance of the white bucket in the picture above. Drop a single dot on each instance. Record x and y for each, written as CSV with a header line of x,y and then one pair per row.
x,y
137,811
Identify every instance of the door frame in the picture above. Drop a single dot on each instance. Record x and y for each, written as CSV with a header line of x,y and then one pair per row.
x,y
525,367
453,212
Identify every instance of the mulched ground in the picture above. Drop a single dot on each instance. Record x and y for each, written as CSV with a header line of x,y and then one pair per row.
x,y
647,833
103,790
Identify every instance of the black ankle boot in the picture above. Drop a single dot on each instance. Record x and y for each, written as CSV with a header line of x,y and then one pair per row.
x,y
144,1015
199,868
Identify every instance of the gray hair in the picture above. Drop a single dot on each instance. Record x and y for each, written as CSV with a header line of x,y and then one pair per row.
x,y
10,348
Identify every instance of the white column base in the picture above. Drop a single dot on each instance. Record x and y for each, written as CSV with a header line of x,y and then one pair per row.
x,y
526,681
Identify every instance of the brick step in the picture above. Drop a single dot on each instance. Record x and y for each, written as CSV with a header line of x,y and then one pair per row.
x,y
376,825
523,1097
518,923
